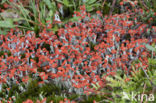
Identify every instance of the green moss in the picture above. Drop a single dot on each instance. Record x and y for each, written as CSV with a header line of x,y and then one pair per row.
x,y
92,45
49,90
9,53
73,96
47,46
40,70
54,98
22,56
31,92
1,53
13,90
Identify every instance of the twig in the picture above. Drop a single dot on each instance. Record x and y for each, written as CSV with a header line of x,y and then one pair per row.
x,y
103,3
143,93
107,98
142,1
112,8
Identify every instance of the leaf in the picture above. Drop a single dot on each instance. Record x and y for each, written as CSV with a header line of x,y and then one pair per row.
x,y
9,14
55,28
3,32
90,1
23,10
24,13
7,23
35,12
54,7
96,5
149,47
48,3
89,8
75,19
96,86
50,13
66,2
60,1
3,1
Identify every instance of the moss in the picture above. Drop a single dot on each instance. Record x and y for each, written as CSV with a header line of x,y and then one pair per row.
x,y
13,90
54,98
49,90
92,45
36,59
47,46
73,96
9,53
1,53
40,70
22,56
31,91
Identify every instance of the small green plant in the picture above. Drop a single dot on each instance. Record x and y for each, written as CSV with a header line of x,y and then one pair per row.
x,y
32,17
138,83
33,91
